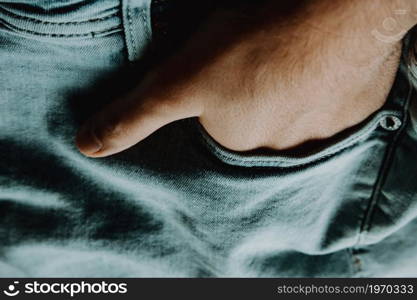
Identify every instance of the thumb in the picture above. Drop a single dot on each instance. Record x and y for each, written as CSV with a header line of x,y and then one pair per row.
x,y
126,122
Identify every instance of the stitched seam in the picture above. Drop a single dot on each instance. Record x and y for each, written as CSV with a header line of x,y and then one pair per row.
x,y
57,35
369,213
325,154
129,19
144,17
125,25
273,163
10,14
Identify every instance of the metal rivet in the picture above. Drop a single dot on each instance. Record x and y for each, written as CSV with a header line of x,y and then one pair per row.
x,y
391,123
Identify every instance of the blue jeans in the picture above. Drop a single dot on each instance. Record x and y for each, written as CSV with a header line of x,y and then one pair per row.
x,y
178,204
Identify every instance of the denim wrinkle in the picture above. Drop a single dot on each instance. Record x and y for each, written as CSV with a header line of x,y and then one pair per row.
x,y
178,204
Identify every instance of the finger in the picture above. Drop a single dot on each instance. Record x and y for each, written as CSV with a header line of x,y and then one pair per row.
x,y
126,122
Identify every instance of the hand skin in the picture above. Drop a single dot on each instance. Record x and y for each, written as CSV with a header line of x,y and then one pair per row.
x,y
290,73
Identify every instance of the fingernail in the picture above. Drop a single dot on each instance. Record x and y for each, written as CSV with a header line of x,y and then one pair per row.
x,y
87,140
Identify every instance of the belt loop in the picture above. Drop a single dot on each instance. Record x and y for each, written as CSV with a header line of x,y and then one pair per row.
x,y
137,26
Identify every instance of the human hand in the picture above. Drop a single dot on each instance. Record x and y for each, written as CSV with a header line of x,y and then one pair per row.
x,y
288,74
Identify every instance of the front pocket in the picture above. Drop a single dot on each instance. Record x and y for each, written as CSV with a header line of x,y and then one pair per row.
x,y
61,19
387,120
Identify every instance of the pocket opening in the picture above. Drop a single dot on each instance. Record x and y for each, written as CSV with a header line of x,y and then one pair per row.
x,y
288,159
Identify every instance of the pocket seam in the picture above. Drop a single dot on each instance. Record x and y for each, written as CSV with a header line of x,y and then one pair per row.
x,y
58,35
16,23
287,161
13,15
145,20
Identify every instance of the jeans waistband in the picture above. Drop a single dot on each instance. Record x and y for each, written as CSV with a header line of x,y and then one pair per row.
x,y
69,19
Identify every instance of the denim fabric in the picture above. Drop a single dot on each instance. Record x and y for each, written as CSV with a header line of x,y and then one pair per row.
x,y
178,204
